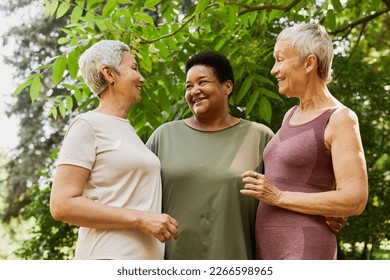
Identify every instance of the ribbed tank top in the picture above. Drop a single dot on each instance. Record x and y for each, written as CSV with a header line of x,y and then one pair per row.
x,y
297,160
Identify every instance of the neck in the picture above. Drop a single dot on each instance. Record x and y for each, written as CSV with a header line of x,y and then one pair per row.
x,y
316,97
112,109
212,124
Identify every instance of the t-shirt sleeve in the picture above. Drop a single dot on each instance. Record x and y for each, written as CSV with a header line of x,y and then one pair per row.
x,y
79,145
152,143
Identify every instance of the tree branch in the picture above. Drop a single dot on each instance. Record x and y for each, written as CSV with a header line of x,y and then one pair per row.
x,y
270,7
360,21
247,8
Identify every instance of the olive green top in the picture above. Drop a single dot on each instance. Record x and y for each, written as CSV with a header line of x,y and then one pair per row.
x,y
201,177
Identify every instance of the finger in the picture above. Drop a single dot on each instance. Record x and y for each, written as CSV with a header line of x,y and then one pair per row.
x,y
334,227
173,231
250,173
167,235
161,238
250,180
246,174
173,221
249,193
253,187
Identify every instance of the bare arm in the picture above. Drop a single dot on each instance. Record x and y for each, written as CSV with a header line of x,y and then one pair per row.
x,y
350,197
68,204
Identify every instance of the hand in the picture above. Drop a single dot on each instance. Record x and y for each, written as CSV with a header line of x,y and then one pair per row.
x,y
258,186
160,226
336,224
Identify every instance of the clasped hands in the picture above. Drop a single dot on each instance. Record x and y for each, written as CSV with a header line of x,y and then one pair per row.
x,y
258,186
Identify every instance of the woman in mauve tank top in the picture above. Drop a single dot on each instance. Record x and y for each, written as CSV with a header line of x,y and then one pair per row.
x,y
314,165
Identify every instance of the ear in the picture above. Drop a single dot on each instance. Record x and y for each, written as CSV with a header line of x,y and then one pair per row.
x,y
107,74
229,87
311,63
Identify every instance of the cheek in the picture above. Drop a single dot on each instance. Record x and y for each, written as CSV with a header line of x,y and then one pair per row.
x,y
187,95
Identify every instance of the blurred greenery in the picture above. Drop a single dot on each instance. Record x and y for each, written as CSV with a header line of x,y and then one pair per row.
x,y
163,34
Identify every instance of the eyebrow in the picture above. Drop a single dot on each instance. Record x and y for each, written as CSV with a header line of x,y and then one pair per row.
x,y
199,78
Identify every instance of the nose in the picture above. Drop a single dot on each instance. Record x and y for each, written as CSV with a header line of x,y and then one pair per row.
x,y
195,90
141,78
274,70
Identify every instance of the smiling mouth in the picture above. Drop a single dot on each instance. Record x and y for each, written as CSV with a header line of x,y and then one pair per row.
x,y
198,100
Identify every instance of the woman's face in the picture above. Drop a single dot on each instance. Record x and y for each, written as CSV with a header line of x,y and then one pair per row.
x,y
205,94
288,70
129,82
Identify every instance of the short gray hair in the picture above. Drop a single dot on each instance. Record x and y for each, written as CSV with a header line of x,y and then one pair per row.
x,y
103,53
309,39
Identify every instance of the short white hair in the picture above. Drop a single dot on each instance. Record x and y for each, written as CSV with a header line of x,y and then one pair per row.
x,y
309,39
103,53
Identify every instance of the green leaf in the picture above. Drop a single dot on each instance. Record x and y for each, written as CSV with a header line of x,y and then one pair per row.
x,y
270,94
53,7
69,103
337,5
62,9
252,101
35,88
144,17
123,2
78,95
62,110
100,24
151,3
331,20
265,109
63,40
73,66
108,8
53,111
244,88
22,86
233,16
58,69
94,4
252,18
76,14
47,9
201,6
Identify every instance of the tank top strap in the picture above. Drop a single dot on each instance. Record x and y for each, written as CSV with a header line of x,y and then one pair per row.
x,y
291,113
327,114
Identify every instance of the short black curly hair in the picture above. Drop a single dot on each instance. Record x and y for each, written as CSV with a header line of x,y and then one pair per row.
x,y
221,66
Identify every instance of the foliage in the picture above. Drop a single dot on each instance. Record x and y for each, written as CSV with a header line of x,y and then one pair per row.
x,y
52,240
39,135
163,34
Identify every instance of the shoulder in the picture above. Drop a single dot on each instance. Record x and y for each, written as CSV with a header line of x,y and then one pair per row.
x,y
259,127
168,126
164,129
343,116
81,120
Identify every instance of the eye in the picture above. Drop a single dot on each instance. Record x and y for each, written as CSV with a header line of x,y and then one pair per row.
x,y
188,87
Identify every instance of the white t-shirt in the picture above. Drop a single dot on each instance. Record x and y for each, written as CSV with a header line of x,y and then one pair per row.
x,y
124,173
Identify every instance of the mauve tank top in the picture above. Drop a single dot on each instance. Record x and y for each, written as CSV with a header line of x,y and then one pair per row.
x,y
296,160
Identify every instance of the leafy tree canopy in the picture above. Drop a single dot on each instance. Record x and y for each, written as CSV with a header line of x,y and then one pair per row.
x,y
163,34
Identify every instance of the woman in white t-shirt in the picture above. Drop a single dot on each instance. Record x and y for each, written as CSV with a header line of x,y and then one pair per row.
x,y
107,182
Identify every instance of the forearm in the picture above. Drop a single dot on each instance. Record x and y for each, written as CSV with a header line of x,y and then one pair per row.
x,y
81,211
331,203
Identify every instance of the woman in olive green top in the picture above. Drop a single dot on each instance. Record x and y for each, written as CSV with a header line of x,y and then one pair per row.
x,y
202,159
